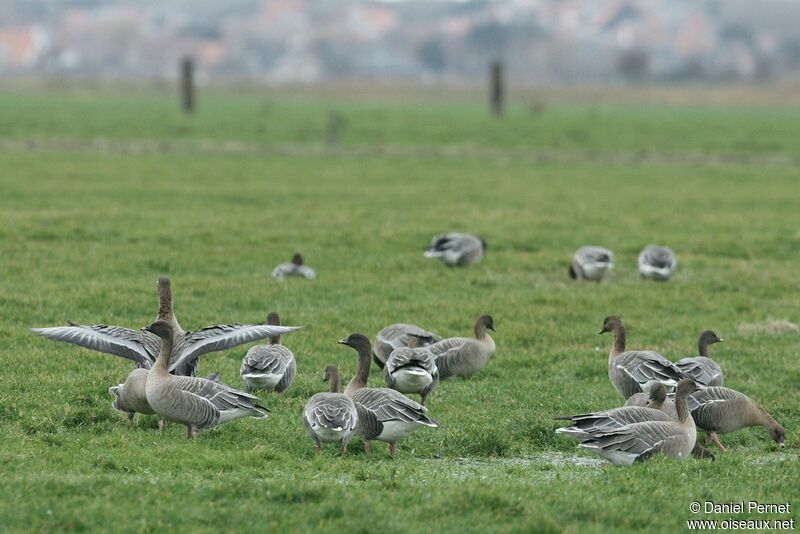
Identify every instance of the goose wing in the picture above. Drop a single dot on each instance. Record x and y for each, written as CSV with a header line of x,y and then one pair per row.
x,y
701,369
635,441
646,367
269,359
389,405
589,255
714,408
137,345
405,356
331,410
222,337
219,396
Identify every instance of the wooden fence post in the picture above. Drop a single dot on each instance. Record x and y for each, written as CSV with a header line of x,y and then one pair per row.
x,y
187,85
496,88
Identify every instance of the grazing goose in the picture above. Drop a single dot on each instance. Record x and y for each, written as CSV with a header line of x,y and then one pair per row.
x,y
721,410
330,417
462,356
638,441
657,399
702,369
657,263
142,347
271,367
195,402
294,268
586,425
383,414
399,335
456,249
411,370
633,371
591,263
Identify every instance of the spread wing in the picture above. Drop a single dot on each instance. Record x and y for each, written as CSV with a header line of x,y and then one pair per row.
x,y
137,345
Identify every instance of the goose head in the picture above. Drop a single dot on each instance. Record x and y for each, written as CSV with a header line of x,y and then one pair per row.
x,y
708,337
777,433
160,328
297,259
273,319
612,323
486,322
658,393
686,387
330,372
484,246
163,283
356,341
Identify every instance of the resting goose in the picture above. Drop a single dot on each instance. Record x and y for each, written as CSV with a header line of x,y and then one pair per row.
x,y
456,249
721,410
195,402
657,399
411,370
294,268
330,417
632,371
383,414
591,263
638,441
142,347
702,369
657,263
270,367
462,356
399,335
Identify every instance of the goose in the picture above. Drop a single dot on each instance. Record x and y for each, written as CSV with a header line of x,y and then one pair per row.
x,y
633,371
195,402
294,268
411,370
657,263
330,417
399,335
638,441
702,369
585,425
462,356
721,410
142,347
271,367
131,397
383,414
456,249
591,263
657,399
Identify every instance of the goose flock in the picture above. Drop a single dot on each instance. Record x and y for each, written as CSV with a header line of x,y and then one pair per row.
x,y
665,403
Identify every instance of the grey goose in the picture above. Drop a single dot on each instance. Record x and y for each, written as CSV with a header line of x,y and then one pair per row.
x,y
383,414
456,249
632,371
411,370
463,356
638,441
657,263
330,417
585,425
591,263
719,410
399,335
269,367
702,369
657,399
142,347
296,267
196,402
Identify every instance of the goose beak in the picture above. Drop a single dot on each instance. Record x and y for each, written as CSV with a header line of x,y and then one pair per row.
x,y
492,329
720,340
603,330
342,342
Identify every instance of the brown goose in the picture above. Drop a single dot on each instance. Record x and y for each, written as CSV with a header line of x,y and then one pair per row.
x,y
702,369
270,367
330,417
638,441
463,356
383,414
632,371
722,410
142,347
399,335
657,399
411,370
195,402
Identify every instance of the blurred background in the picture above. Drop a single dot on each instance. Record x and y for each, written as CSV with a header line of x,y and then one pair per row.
x,y
540,42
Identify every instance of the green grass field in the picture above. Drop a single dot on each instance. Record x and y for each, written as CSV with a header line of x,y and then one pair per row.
x,y
103,193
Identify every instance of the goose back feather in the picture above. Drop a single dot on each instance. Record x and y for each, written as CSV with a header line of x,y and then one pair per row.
x,y
657,263
456,249
399,335
591,263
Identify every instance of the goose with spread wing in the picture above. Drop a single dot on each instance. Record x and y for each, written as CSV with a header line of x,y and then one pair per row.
x,y
142,347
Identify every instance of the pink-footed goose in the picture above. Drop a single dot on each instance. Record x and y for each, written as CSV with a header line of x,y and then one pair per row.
x,y
632,371
195,402
296,267
383,414
456,249
330,417
639,441
411,370
719,410
702,369
591,263
463,356
269,367
399,335
657,263
656,399
142,347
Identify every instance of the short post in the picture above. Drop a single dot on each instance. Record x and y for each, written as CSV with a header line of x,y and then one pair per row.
x,y
496,88
187,85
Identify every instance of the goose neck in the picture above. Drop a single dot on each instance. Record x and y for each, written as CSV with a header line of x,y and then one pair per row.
x,y
359,381
164,355
620,339
334,380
